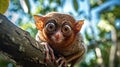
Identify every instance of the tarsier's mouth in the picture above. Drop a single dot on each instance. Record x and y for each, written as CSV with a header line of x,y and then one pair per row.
x,y
56,40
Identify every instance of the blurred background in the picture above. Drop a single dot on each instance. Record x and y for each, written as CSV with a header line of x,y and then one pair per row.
x,y
101,30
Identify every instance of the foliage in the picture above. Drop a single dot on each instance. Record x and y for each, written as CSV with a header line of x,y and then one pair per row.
x,y
3,6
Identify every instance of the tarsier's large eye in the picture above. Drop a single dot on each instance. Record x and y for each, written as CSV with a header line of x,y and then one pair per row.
x,y
66,29
50,26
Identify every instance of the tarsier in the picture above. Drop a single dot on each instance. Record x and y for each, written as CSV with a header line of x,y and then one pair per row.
x,y
60,34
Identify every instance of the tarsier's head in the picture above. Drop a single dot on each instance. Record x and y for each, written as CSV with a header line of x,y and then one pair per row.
x,y
58,29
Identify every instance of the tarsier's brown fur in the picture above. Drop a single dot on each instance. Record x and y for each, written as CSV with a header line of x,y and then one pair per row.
x,y
72,47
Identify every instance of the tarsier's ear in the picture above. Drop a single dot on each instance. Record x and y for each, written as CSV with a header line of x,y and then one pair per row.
x,y
39,21
78,25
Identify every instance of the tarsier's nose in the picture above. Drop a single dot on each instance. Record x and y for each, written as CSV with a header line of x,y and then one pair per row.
x,y
58,35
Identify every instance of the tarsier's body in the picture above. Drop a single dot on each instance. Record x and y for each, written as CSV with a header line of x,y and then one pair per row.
x,y
61,32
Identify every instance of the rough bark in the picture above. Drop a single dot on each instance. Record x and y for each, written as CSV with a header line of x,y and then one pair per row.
x,y
20,46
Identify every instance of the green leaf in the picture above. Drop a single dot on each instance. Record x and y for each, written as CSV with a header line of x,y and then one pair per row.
x,y
116,11
105,25
50,1
88,37
3,6
75,3
59,2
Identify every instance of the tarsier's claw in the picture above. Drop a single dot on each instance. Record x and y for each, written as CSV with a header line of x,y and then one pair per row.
x,y
62,62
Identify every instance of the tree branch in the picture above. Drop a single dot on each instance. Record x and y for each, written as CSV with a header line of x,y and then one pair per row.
x,y
20,46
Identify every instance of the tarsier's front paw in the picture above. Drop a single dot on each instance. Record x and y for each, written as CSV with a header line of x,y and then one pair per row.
x,y
49,54
62,62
